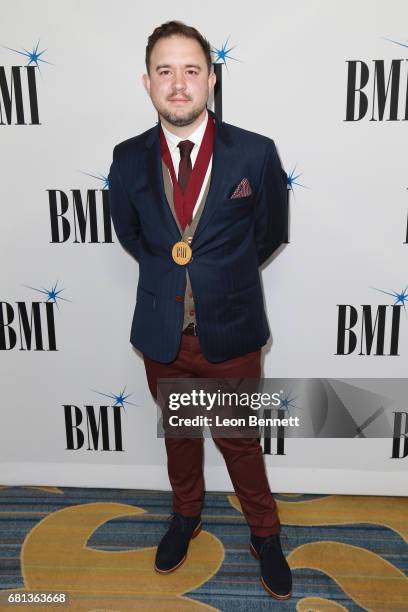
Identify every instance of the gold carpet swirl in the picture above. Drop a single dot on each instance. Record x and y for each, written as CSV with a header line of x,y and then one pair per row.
x,y
46,489
318,604
364,576
119,580
390,512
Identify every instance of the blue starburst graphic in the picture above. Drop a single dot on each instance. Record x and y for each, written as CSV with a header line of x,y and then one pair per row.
x,y
287,402
292,180
119,400
400,297
222,55
34,56
52,294
396,42
101,177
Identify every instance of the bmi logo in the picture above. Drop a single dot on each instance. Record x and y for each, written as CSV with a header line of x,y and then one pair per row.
x,y
80,217
274,438
378,90
18,89
371,330
96,427
30,325
400,436
406,235
220,58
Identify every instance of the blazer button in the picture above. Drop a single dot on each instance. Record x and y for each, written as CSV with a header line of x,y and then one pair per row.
x,y
179,298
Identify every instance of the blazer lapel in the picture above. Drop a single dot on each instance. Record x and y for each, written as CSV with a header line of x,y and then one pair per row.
x,y
155,173
221,171
168,190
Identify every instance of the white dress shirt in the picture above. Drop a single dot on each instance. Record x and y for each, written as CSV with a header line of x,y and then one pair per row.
x,y
196,137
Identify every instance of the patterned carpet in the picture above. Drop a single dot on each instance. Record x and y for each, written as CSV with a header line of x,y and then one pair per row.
x,y
98,545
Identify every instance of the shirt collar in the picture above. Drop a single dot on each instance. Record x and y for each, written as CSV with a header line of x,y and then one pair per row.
x,y
196,136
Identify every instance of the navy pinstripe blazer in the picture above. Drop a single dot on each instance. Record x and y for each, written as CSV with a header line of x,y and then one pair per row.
x,y
233,238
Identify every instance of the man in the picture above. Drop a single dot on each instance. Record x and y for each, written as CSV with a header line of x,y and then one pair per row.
x,y
201,205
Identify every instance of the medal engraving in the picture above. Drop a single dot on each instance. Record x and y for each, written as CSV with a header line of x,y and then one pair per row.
x,y
181,253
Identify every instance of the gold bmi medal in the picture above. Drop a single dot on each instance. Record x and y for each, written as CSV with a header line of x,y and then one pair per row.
x,y
181,253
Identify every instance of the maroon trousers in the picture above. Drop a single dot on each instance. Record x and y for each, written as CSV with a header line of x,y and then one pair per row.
x,y
243,456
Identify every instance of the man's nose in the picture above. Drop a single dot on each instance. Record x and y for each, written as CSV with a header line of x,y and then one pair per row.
x,y
179,82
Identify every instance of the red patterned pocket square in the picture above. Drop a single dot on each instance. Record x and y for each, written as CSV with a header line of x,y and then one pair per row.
x,y
243,189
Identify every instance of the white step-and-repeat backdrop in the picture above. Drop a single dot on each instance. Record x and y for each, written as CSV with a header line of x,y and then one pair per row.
x,y
327,80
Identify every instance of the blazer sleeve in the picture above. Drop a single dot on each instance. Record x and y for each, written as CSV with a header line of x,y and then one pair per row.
x,y
124,216
271,206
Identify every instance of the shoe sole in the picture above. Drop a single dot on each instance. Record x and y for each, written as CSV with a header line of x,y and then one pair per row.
x,y
172,569
265,586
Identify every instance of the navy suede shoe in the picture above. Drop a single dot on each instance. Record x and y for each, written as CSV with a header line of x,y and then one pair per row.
x,y
276,577
172,550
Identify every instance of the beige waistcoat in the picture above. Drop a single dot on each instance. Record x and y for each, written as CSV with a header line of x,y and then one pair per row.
x,y
189,309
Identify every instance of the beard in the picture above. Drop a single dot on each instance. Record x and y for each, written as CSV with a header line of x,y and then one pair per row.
x,y
181,121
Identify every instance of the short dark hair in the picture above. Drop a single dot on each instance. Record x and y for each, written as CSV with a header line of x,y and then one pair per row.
x,y
172,28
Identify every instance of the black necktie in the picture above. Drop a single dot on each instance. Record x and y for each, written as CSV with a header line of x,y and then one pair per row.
x,y
185,166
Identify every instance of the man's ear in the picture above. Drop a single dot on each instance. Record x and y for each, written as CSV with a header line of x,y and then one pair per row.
x,y
212,78
146,82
